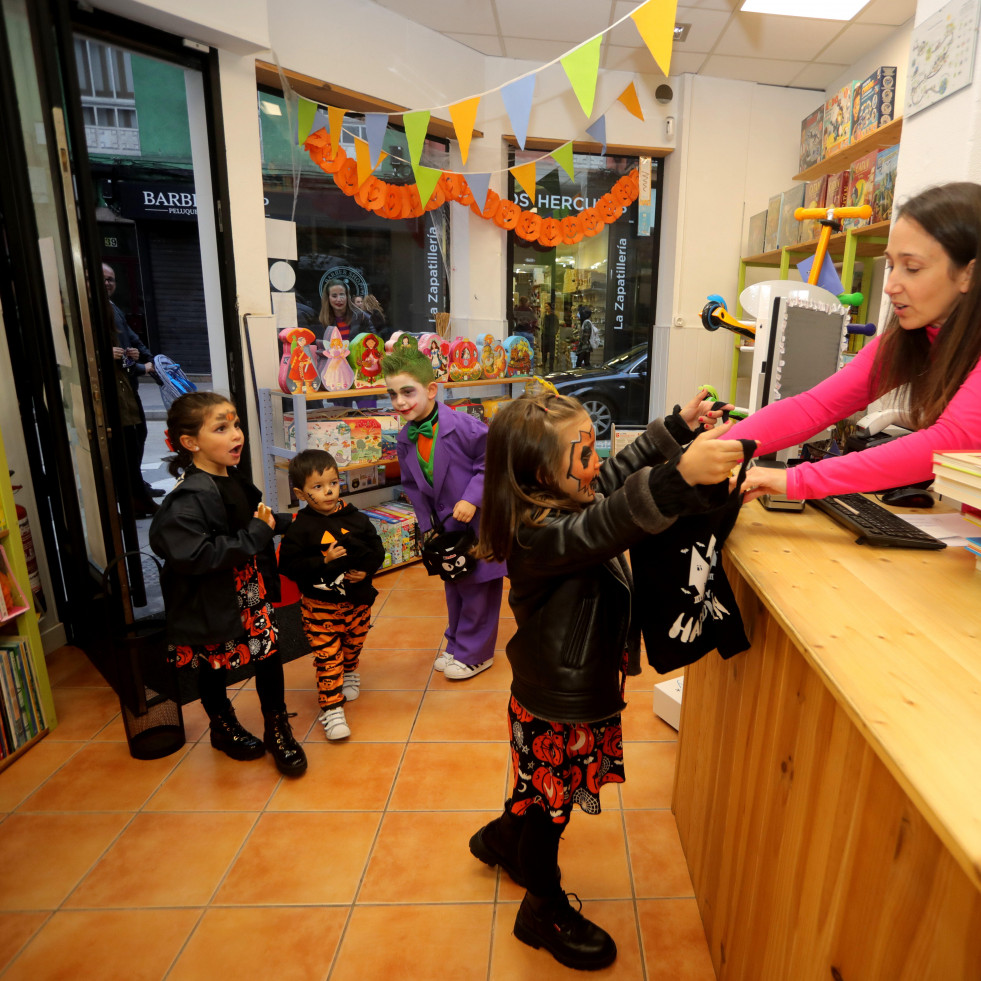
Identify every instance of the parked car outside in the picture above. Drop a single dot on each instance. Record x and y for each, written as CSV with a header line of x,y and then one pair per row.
x,y
616,391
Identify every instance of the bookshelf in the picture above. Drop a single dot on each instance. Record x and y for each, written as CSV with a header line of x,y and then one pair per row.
x,y
27,710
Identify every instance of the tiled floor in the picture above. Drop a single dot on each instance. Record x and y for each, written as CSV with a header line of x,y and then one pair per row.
x,y
195,866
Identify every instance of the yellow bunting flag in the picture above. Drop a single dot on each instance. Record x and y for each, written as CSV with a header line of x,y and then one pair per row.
x,y
363,152
306,111
562,155
463,115
582,66
525,176
426,179
335,120
416,126
629,98
655,22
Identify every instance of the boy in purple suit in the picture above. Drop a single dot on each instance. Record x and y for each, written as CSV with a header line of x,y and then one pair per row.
x,y
441,455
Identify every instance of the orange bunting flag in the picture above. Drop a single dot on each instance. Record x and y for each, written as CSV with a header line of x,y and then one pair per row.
x,y
655,22
335,120
562,155
426,181
525,176
463,115
363,152
582,66
629,98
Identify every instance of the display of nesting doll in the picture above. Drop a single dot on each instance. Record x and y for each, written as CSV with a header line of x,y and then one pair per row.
x,y
493,358
521,360
298,368
464,360
337,374
437,350
365,359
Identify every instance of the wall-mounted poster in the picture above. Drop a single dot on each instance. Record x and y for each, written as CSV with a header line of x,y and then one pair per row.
x,y
941,55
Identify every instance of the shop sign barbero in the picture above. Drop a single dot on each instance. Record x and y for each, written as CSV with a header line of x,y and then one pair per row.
x,y
154,200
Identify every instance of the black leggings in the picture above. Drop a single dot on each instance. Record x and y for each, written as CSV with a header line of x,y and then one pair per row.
x,y
538,852
269,683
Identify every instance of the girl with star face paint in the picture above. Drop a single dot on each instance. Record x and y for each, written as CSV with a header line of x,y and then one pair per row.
x,y
561,518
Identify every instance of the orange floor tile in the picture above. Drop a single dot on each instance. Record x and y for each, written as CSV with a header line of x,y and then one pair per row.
x,y
196,867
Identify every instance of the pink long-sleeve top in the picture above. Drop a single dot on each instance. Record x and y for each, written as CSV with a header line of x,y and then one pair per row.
x,y
895,464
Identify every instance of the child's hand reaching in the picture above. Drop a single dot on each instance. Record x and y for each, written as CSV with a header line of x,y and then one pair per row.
x,y
355,575
264,513
334,551
699,412
464,511
709,459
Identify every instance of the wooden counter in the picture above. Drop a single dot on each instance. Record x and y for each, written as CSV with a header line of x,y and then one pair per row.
x,y
828,789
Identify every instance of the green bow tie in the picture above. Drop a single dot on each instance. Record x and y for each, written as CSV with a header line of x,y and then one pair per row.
x,y
424,428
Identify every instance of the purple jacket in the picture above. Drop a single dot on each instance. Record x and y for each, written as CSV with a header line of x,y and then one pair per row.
x,y
458,475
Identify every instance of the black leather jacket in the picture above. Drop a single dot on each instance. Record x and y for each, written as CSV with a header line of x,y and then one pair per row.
x,y
191,534
571,588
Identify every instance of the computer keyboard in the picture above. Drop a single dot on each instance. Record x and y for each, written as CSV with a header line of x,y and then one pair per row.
x,y
874,524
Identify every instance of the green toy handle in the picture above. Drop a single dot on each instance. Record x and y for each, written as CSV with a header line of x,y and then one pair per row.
x,y
851,299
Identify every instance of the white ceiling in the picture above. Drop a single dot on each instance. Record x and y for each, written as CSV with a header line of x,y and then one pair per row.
x,y
722,42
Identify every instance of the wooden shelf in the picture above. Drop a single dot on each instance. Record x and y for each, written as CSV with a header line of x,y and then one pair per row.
x,y
355,393
870,243
884,136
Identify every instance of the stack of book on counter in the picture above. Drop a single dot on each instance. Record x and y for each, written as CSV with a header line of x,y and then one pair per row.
x,y
958,475
396,525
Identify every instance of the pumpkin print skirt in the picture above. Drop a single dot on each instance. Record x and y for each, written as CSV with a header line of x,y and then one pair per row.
x,y
258,638
558,764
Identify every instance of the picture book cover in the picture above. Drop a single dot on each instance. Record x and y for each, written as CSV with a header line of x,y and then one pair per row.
x,y
772,223
885,183
838,120
757,234
814,197
837,190
811,138
366,439
861,180
788,231
875,102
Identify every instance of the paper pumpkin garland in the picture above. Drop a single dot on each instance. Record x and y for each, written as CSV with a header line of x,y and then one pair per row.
x,y
396,201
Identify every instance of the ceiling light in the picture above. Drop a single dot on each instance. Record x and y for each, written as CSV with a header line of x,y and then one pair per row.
x,y
814,9
681,31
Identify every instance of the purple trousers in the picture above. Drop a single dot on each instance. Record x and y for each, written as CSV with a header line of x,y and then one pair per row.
x,y
474,610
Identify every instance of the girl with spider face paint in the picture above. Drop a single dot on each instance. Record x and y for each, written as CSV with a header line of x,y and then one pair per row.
x,y
562,522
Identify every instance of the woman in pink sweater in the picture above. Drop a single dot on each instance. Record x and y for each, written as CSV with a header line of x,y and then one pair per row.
x,y
931,345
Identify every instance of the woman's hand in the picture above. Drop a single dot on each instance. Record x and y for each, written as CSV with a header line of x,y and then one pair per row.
x,y
764,480
709,459
264,513
699,413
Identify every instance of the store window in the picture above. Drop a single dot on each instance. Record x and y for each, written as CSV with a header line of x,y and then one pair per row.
x,y
609,279
105,80
403,263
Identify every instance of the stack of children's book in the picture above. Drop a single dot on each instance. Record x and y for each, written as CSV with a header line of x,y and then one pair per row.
x,y
958,475
21,715
395,523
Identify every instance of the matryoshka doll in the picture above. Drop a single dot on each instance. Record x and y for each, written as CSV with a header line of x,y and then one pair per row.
x,y
298,374
464,360
338,375
437,350
365,359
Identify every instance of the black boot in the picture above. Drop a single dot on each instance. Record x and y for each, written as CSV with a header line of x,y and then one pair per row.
x,y
574,941
287,753
232,738
496,843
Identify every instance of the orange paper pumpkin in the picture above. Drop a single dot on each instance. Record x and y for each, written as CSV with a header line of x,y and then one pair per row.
x,y
592,224
507,214
437,199
464,194
347,177
571,227
550,234
529,226
621,193
392,205
608,209
490,205
371,194
411,202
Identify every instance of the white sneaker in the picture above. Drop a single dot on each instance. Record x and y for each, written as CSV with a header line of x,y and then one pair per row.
x,y
351,686
458,671
334,723
442,660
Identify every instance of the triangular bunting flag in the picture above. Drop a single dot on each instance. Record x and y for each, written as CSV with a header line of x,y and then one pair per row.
x,y
598,132
375,124
416,125
335,121
363,152
517,100
629,98
463,115
479,185
306,111
582,66
655,22
562,155
426,179
525,176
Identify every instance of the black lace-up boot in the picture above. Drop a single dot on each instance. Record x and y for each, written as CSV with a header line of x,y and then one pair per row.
x,y
279,740
232,738
496,843
552,923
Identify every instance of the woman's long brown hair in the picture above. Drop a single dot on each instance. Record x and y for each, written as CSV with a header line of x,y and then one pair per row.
x,y
522,459
950,213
